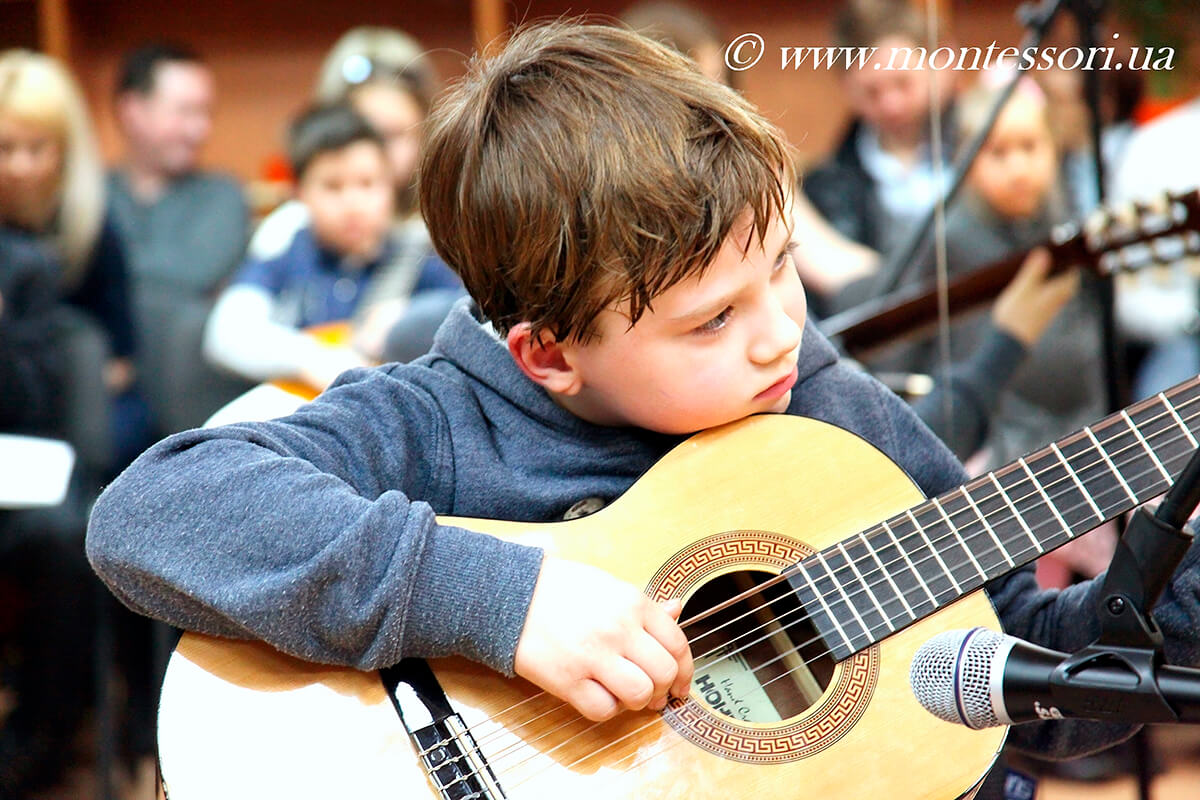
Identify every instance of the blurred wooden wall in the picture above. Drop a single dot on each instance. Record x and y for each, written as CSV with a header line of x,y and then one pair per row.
x,y
265,53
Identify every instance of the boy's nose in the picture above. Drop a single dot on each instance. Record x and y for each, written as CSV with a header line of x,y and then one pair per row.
x,y
779,335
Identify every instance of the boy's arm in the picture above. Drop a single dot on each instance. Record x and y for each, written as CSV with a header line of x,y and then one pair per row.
x,y
302,532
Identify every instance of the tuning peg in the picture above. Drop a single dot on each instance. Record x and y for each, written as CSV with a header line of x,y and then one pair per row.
x,y
1096,228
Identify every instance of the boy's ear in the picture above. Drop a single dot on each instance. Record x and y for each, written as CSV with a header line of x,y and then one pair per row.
x,y
543,359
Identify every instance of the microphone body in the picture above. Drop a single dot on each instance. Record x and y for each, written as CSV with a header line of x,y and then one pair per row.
x,y
980,678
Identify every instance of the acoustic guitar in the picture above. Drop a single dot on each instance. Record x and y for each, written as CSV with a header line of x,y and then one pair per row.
x,y
811,570
1149,235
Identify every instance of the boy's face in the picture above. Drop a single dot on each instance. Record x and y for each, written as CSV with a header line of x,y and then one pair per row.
x,y
711,350
1016,168
349,197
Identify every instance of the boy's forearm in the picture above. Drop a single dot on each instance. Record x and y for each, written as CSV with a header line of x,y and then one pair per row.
x,y
225,533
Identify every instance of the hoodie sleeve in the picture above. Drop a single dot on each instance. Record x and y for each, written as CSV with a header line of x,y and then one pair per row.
x,y
317,534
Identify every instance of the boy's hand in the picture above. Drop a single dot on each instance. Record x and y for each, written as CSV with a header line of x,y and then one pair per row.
x,y
1030,302
600,644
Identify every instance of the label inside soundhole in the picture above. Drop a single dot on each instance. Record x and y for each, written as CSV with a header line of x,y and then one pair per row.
x,y
726,683
758,659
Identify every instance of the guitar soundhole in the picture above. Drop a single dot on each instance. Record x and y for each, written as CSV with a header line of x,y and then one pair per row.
x,y
759,660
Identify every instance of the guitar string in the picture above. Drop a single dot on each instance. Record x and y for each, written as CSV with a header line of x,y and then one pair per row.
x,y
658,720
952,592
492,718
917,533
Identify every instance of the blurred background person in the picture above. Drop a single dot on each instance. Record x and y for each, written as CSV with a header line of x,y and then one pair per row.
x,y
52,186
184,229
882,177
347,261
385,75
46,587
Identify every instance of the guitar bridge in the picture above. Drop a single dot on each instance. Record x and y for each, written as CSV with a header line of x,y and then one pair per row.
x,y
452,760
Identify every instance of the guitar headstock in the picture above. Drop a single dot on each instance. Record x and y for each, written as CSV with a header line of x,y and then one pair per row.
x,y
1133,236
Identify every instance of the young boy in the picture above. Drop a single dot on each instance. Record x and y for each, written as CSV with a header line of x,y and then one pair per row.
x,y
343,266
620,222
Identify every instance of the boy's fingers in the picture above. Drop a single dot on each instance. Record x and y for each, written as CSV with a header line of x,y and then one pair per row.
x,y
626,681
595,702
654,660
673,607
668,634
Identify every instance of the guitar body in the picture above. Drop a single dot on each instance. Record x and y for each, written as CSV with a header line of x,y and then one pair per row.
x,y
239,719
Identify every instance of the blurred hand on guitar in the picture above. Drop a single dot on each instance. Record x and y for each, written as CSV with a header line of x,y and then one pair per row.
x,y
1031,300
327,362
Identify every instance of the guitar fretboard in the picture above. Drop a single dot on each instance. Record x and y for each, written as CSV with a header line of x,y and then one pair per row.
x,y
880,580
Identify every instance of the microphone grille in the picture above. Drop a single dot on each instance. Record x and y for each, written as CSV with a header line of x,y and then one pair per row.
x,y
951,676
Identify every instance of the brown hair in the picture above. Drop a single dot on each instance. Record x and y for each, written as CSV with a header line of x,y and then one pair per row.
x,y
864,23
584,166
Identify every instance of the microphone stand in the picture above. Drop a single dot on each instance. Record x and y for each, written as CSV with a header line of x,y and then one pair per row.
x,y
1128,651
1087,15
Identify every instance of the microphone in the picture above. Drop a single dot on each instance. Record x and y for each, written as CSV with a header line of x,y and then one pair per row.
x,y
981,678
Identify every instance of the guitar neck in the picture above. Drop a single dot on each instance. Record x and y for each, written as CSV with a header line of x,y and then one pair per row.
x,y
1160,236
883,579
912,311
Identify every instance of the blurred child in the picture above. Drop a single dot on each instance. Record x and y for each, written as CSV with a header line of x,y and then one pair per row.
x,y
337,268
1011,202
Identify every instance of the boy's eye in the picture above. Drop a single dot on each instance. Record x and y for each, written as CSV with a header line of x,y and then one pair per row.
x,y
786,257
716,323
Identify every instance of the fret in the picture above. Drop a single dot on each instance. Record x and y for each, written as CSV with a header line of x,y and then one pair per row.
x,y
1016,514
1113,467
1036,516
819,598
1104,487
958,535
950,552
1175,413
1122,444
838,586
1000,548
1048,502
1061,490
1157,423
855,590
1075,477
900,556
887,573
878,580
1146,446
937,556
933,576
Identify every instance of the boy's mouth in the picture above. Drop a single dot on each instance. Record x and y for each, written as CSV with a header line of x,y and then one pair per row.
x,y
780,387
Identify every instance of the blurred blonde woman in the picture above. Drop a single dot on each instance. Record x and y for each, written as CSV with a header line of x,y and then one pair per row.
x,y
52,188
